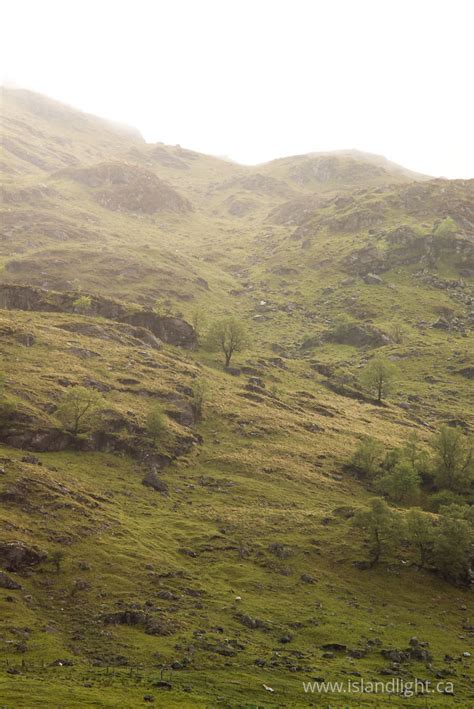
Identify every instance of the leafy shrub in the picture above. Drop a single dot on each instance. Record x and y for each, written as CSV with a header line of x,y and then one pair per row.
x,y
83,304
453,459
200,390
156,423
401,483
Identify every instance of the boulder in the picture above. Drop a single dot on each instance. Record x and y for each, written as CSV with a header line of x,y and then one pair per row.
x,y
442,324
152,480
373,280
252,623
334,647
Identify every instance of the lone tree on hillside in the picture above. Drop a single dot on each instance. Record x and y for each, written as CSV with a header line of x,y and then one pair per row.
x,y
228,335
79,409
378,376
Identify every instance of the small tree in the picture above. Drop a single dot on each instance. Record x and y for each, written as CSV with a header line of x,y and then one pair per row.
x,y
453,459
381,525
56,559
228,335
367,456
401,484
199,398
420,534
199,322
83,304
378,376
80,409
417,456
156,423
397,332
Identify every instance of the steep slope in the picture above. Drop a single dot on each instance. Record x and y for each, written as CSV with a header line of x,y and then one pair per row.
x,y
40,135
218,557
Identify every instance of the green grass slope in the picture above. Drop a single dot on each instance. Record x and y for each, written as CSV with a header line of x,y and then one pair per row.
x,y
240,576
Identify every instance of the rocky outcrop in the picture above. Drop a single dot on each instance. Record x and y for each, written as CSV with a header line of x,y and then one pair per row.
x,y
121,186
19,297
322,169
373,280
173,331
368,259
239,207
16,555
153,480
358,335
121,333
358,219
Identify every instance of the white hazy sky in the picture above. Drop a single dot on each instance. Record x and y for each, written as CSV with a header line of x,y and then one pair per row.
x,y
259,79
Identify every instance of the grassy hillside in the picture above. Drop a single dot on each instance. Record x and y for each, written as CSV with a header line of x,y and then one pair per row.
x,y
241,572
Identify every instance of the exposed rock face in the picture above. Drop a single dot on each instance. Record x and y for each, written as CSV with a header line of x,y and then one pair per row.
x,y
122,333
366,260
173,331
23,431
126,187
358,335
239,207
327,168
18,297
358,219
260,184
162,155
16,555
8,583
295,211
